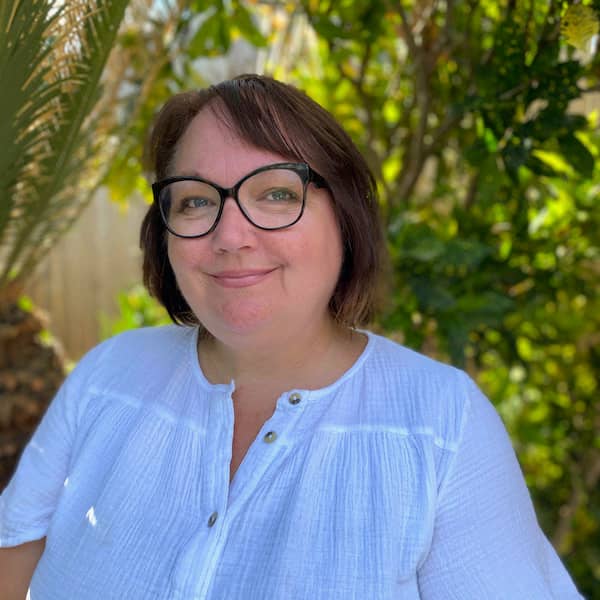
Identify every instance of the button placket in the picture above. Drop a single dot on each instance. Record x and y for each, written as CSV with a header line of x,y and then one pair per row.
x,y
294,399
271,445
271,436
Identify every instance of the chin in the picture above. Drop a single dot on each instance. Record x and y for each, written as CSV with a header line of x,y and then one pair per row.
x,y
233,323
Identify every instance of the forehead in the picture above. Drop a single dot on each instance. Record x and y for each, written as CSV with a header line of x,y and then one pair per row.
x,y
212,149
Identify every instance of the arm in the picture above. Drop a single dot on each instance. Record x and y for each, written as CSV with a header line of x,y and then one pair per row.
x,y
16,568
28,502
486,541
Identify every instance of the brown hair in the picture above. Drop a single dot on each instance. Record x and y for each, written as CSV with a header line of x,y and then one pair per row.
x,y
278,117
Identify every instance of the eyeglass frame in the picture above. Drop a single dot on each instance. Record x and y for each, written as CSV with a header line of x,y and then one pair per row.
x,y
306,173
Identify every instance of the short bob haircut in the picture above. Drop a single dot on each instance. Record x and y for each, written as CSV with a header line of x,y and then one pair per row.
x,y
277,117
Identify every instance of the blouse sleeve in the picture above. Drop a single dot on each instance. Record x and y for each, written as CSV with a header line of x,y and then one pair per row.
x,y
486,541
28,502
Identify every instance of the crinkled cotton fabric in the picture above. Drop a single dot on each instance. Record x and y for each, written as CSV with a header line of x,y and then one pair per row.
x,y
398,481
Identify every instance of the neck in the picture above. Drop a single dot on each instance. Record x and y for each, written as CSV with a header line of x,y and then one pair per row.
x,y
309,358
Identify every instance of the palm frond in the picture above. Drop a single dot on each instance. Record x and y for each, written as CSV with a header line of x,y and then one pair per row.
x,y
22,76
51,76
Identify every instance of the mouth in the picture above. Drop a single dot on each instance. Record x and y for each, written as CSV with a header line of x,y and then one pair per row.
x,y
241,278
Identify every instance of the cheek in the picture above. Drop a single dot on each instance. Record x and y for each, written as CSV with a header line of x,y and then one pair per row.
x,y
324,255
182,254
331,247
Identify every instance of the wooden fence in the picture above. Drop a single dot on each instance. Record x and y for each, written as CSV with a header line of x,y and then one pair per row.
x,y
80,278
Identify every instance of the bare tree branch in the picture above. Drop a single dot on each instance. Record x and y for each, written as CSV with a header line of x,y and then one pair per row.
x,y
582,483
415,155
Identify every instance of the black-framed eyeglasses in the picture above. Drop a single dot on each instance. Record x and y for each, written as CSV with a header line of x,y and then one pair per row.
x,y
271,197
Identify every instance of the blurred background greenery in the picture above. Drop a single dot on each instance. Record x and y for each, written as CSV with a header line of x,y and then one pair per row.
x,y
480,121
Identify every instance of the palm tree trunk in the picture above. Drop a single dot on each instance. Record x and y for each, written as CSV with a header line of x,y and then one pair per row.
x,y
31,369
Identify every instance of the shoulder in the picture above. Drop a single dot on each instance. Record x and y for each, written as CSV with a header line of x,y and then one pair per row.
x,y
135,355
147,341
151,339
401,369
395,354
414,393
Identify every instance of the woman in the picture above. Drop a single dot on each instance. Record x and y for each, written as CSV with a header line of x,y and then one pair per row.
x,y
267,447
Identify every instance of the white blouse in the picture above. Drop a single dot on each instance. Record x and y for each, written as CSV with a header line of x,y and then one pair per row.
x,y
398,481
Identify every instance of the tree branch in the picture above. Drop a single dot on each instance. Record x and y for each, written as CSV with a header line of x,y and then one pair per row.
x,y
580,487
415,155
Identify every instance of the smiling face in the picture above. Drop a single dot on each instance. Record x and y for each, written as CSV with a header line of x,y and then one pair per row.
x,y
241,281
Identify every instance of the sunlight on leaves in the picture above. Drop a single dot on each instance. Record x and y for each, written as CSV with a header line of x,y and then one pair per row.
x,y
579,25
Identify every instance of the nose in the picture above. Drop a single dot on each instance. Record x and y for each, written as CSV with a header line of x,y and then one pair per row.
x,y
233,231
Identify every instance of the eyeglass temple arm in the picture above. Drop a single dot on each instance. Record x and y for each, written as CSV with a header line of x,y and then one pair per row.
x,y
318,180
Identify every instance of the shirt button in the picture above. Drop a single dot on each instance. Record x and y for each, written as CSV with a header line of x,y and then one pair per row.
x,y
270,437
213,519
294,398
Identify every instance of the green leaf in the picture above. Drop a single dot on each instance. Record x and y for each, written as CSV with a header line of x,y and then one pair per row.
x,y
555,162
515,155
577,154
432,295
212,37
25,303
425,249
463,253
244,22
477,153
484,308
329,30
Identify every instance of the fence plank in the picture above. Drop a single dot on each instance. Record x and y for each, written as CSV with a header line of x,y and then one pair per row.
x,y
82,274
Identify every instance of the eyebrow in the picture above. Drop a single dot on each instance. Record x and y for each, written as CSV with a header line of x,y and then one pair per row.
x,y
194,174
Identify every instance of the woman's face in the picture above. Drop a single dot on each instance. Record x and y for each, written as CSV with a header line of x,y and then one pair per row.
x,y
240,280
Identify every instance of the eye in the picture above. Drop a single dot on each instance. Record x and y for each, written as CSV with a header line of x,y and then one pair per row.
x,y
194,204
280,195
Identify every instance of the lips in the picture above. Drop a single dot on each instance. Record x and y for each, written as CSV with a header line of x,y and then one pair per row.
x,y
241,278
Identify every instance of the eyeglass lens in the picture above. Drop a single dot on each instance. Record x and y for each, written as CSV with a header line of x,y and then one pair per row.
x,y
270,199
